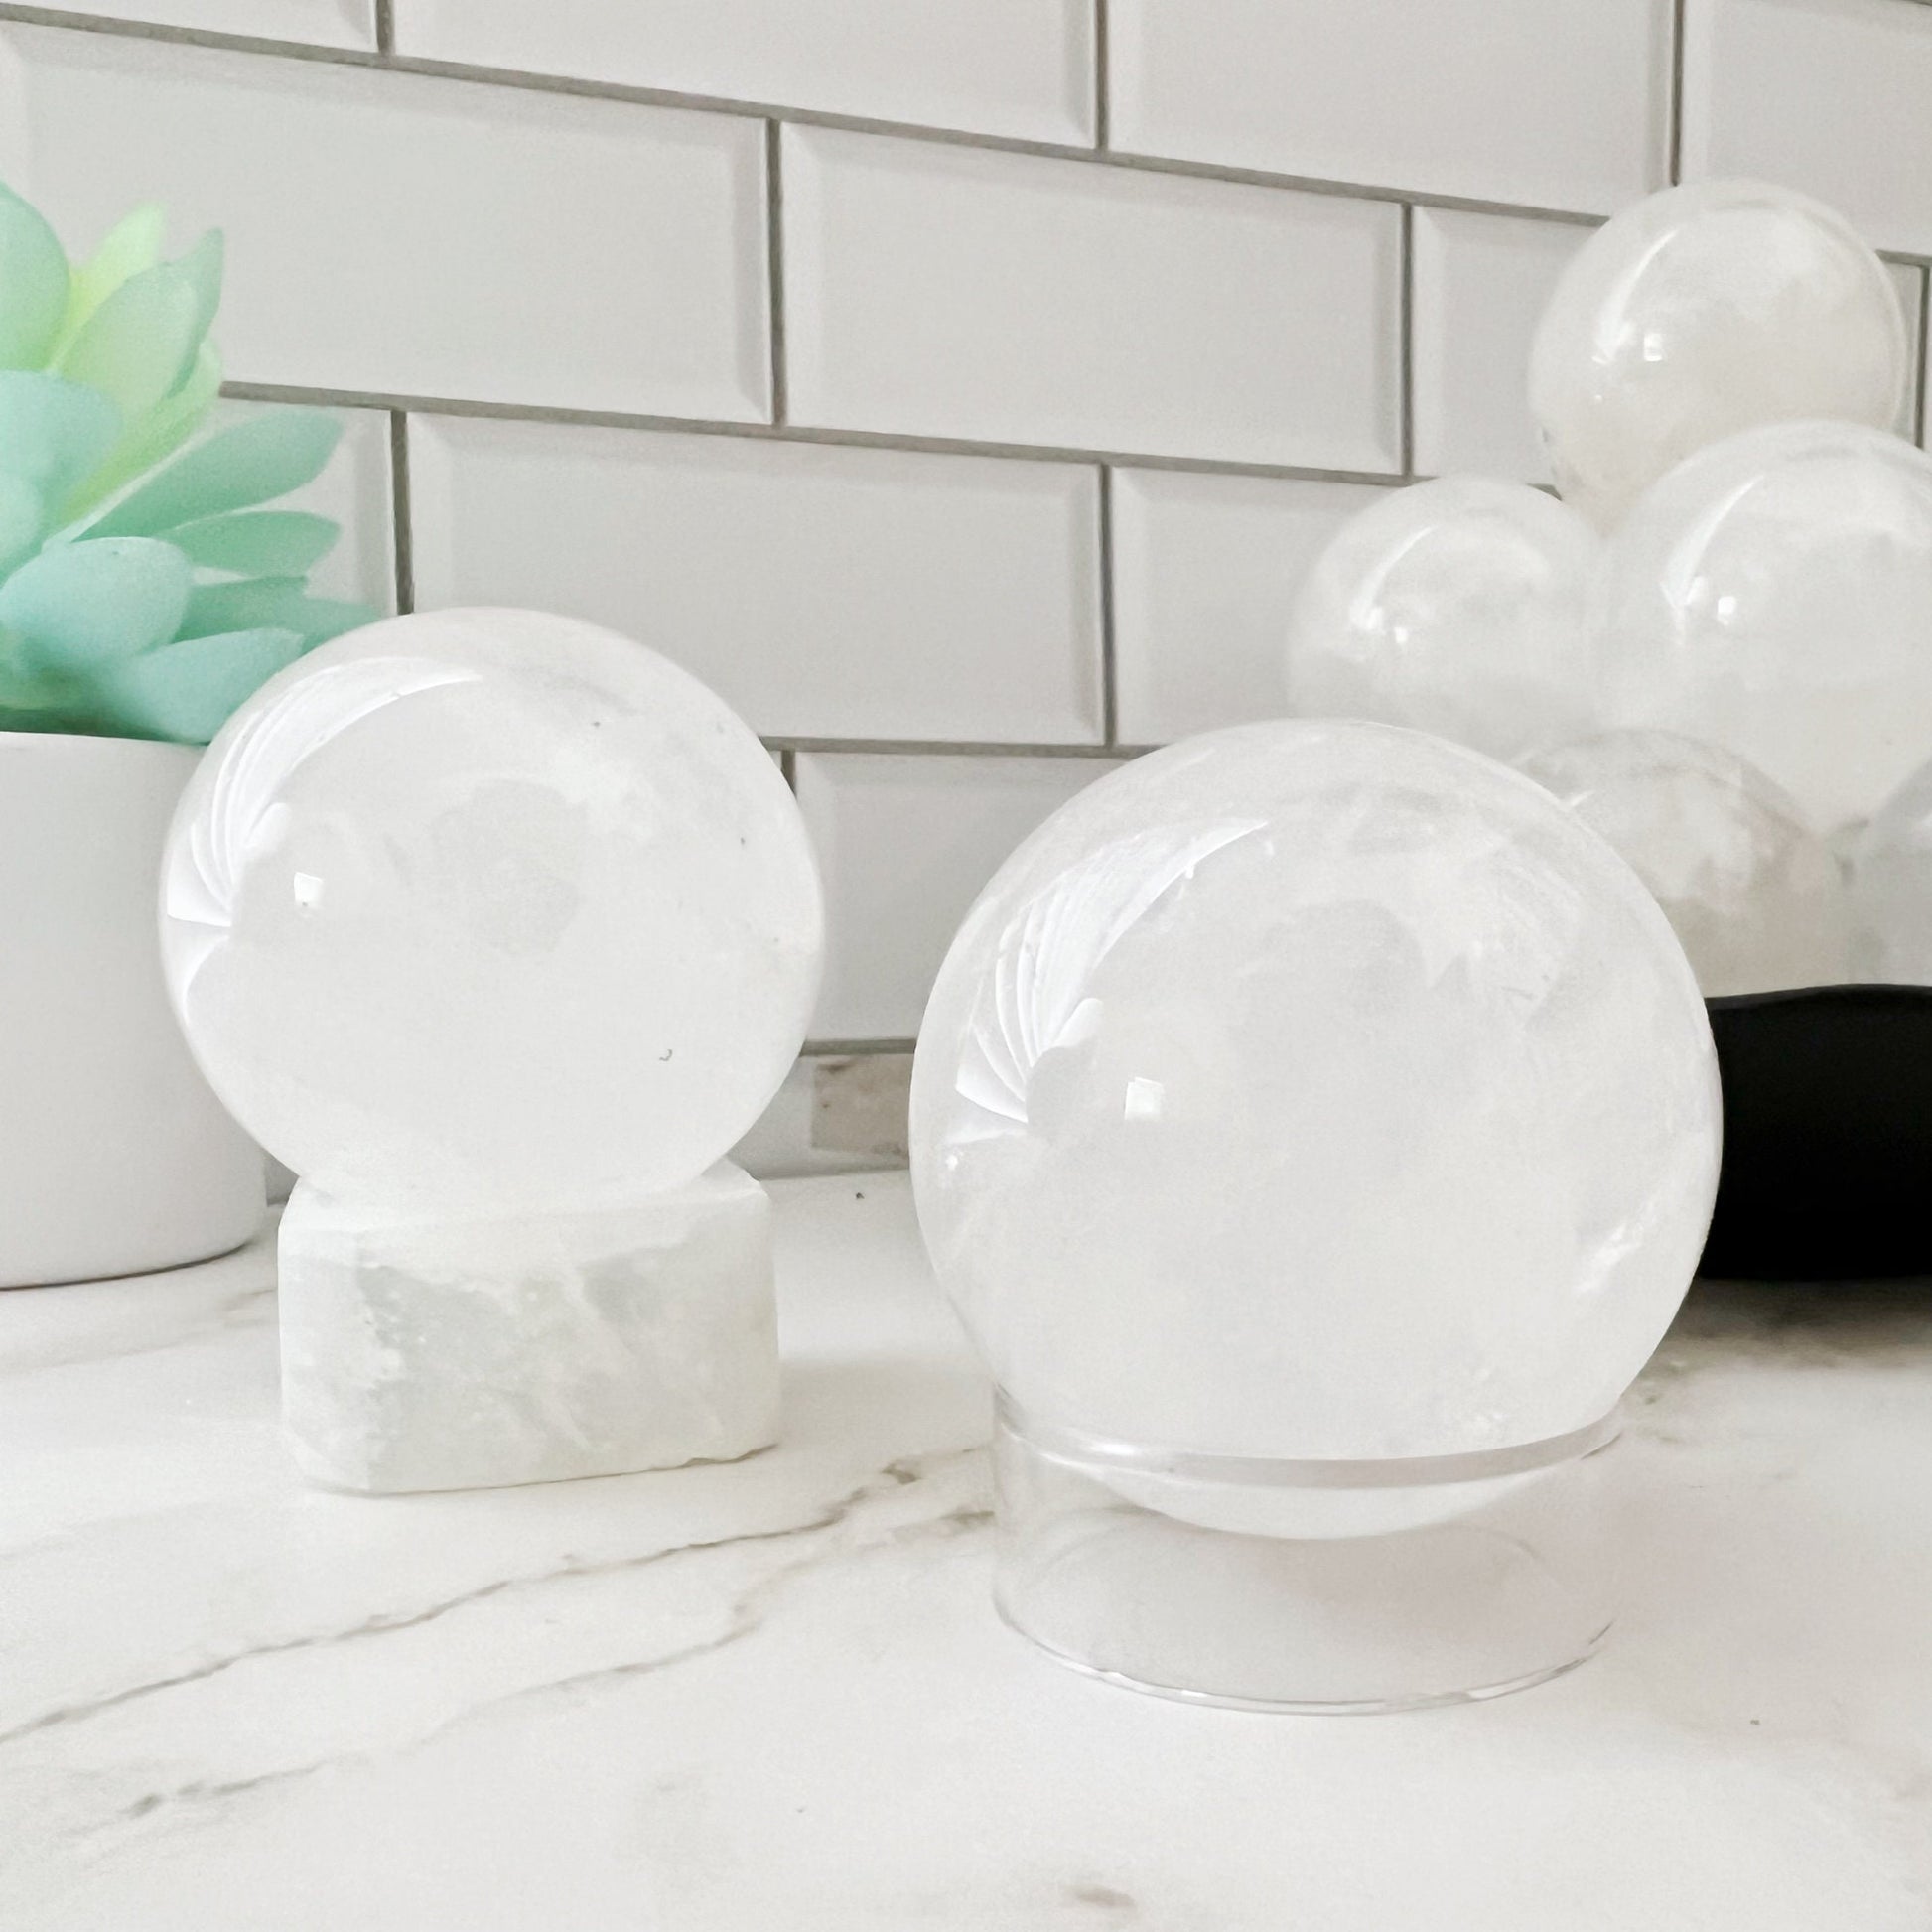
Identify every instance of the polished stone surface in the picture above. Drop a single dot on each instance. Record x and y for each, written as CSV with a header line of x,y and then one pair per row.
x,y
772,1696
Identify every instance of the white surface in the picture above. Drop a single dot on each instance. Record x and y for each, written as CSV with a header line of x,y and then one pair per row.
x,y
822,592
1000,67
1834,96
354,489
1481,280
1557,103
1314,1089
319,23
940,290
114,1155
1891,888
1206,570
775,1694
1701,312
503,1350
1461,606
904,844
490,912
394,233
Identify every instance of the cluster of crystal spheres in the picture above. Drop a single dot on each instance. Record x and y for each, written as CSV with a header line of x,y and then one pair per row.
x,y
1315,1089
1718,645
488,912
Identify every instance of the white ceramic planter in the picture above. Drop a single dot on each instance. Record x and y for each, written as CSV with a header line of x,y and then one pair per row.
x,y
114,1155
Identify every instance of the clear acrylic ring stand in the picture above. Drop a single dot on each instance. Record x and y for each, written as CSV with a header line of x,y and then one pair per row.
x,y
1313,1586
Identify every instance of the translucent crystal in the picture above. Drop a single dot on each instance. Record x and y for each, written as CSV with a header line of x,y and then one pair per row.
x,y
1315,1089
1700,311
1774,595
1891,888
1750,890
489,912
1458,607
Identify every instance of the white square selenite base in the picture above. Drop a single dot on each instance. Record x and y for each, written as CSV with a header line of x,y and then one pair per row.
x,y
476,1354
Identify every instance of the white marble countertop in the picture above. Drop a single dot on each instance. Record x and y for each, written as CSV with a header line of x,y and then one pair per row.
x,y
775,1697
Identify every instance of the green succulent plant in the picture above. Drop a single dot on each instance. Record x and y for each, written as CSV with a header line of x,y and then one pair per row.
x,y
136,601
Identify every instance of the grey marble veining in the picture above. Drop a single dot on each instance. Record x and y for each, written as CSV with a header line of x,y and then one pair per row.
x,y
773,1695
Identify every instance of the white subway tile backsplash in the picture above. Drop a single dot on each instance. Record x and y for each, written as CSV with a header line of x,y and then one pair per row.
x,y
904,844
825,592
316,23
945,291
1481,280
1909,280
354,489
1205,572
390,232
1834,96
995,66
1554,103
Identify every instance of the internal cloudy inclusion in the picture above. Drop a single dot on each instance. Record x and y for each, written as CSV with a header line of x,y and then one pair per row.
x,y
1315,1090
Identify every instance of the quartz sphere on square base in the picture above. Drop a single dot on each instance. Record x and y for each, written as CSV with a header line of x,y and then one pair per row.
x,y
1315,1093
500,930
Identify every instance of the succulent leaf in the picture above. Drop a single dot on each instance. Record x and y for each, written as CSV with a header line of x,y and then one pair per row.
x,y
53,432
141,342
131,246
33,284
156,436
186,691
253,463
256,543
78,606
22,512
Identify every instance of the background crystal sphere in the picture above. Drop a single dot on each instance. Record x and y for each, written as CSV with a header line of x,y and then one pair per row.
x,y
489,912
1752,894
1774,595
1891,888
1699,311
1315,1089
1458,607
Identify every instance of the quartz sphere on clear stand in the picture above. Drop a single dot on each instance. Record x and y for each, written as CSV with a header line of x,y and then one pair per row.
x,y
1699,311
1459,607
1891,888
1753,895
1773,595
500,929
1316,1127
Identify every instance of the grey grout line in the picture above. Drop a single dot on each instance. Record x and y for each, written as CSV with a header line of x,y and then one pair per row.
x,y
551,83
385,25
400,508
774,266
945,747
1102,78
1406,345
856,439
1674,137
852,1049
1109,649
1919,373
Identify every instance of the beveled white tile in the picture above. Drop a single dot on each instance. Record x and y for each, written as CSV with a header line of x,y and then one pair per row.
x,y
997,66
354,489
1553,103
1205,572
945,291
1909,280
824,591
1481,280
1834,96
904,844
317,23
391,232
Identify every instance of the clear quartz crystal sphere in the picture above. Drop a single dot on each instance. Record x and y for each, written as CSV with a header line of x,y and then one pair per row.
x,y
490,912
1459,607
1314,1090
1774,595
1699,311
1891,888
1752,894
